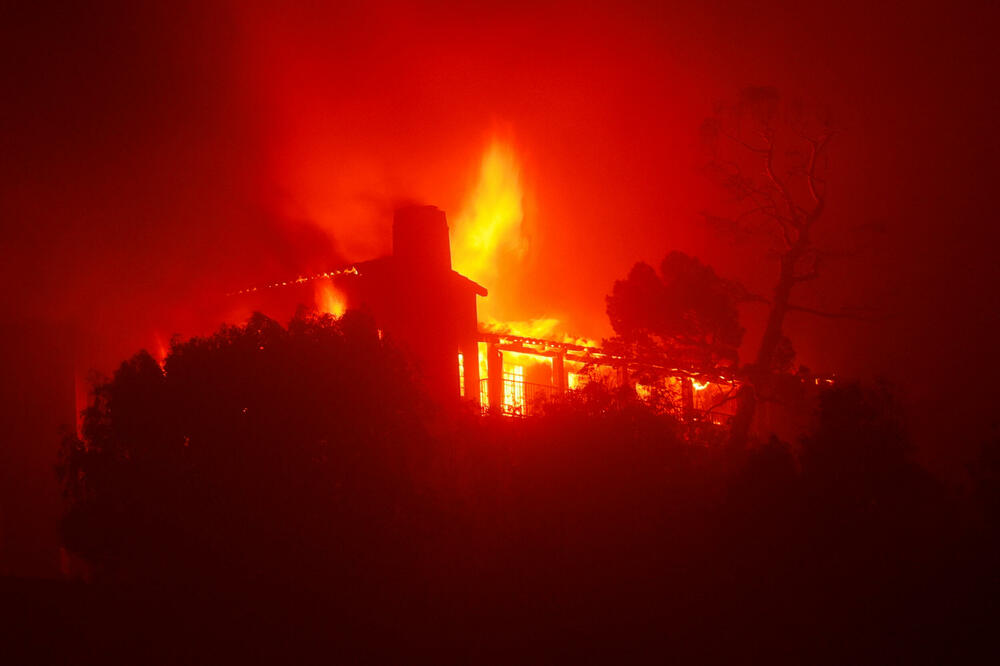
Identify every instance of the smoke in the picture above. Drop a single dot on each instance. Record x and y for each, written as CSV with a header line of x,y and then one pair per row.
x,y
155,158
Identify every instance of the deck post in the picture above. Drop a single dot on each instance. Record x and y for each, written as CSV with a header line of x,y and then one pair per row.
x,y
559,379
494,375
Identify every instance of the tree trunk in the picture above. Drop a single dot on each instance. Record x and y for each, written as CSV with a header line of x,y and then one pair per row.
x,y
758,372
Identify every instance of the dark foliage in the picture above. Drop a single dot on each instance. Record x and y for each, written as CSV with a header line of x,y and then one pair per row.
x,y
241,452
284,493
685,310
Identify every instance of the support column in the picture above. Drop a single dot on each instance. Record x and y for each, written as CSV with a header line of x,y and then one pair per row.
x,y
470,370
687,398
623,378
559,379
494,378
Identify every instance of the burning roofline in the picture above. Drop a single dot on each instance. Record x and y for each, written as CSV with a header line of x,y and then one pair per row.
x,y
587,354
350,270
592,355
355,269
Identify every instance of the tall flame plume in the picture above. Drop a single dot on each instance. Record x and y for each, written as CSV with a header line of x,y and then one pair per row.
x,y
488,229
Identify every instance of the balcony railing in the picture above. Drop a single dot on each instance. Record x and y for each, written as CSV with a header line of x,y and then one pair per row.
x,y
520,398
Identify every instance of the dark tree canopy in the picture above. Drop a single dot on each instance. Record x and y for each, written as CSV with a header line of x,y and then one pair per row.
x,y
685,310
255,430
297,472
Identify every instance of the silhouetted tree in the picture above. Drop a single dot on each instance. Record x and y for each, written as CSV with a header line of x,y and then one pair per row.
x,y
250,452
301,466
985,472
891,525
685,312
771,158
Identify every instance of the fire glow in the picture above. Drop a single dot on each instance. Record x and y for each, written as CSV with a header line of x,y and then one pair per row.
x,y
329,299
490,223
521,362
489,241
299,280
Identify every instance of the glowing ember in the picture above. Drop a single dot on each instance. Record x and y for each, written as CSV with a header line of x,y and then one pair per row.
x,y
699,386
299,280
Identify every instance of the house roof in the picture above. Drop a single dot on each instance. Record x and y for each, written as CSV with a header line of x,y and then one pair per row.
x,y
390,262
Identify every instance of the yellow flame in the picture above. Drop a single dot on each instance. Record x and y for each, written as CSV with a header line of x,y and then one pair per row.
x,y
329,299
489,225
543,328
488,241
162,349
461,374
513,390
698,386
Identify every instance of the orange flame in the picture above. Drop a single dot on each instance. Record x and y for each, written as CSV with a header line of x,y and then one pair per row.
x,y
543,328
489,239
489,225
329,299
161,351
513,390
699,386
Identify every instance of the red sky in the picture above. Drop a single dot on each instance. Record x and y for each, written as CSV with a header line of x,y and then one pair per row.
x,y
154,158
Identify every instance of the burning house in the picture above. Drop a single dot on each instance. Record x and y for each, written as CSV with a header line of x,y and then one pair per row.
x,y
430,311
415,297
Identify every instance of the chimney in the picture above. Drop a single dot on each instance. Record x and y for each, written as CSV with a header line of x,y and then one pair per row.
x,y
420,238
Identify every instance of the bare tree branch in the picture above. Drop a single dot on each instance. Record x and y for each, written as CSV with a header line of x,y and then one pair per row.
x,y
806,277
817,148
843,314
733,137
729,395
781,187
